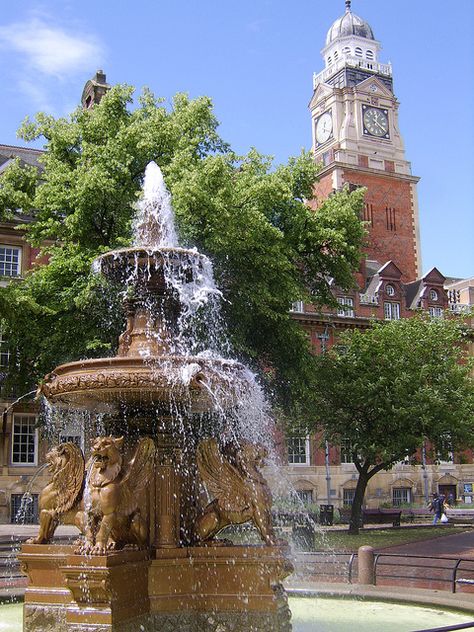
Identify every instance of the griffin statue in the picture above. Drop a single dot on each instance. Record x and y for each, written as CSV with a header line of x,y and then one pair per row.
x,y
61,500
101,499
240,491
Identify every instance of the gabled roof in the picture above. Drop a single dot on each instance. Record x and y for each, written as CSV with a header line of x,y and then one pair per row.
x,y
416,289
27,155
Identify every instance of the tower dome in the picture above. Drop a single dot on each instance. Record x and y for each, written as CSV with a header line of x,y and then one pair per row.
x,y
347,25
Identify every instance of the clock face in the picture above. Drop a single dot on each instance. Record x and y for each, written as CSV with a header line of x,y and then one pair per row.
x,y
375,122
323,128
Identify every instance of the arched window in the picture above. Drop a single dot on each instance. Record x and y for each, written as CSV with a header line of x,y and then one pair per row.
x,y
390,290
329,60
346,50
358,51
336,55
370,55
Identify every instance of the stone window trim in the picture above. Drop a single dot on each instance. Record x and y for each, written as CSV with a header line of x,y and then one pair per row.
x,y
401,496
391,310
298,450
10,260
24,440
434,296
389,289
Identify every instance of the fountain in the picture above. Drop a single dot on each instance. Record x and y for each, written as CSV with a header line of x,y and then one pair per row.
x,y
177,425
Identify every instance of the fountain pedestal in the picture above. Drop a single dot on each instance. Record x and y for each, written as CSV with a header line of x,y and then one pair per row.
x,y
69,592
226,588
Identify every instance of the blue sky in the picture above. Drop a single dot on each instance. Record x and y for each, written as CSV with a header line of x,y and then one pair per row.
x,y
255,58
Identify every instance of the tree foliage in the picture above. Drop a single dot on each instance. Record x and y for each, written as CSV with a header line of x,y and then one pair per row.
x,y
268,248
391,388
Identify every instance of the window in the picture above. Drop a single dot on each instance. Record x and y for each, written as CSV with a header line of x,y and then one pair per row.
x,y
433,295
368,215
24,509
297,307
72,433
390,290
348,497
305,496
346,451
370,54
391,311
358,51
24,440
401,496
444,453
10,261
4,352
347,306
435,312
346,50
336,55
390,215
329,60
298,450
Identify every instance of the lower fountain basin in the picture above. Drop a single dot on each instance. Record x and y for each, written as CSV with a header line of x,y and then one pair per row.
x,y
199,384
324,614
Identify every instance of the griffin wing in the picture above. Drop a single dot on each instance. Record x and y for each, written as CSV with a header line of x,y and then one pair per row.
x,y
221,478
69,483
140,469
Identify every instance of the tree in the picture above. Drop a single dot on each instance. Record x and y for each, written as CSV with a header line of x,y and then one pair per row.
x,y
268,248
388,389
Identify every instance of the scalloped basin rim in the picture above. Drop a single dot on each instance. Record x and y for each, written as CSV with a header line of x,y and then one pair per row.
x,y
149,363
137,380
149,251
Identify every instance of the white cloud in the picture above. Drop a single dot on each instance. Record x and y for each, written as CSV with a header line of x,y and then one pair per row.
x,y
50,49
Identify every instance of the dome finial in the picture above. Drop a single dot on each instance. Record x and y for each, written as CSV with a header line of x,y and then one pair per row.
x,y
348,6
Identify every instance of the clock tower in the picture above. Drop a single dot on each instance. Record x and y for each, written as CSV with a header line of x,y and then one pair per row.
x,y
356,137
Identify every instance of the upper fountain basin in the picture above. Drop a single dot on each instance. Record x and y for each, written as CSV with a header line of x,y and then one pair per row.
x,y
141,263
107,384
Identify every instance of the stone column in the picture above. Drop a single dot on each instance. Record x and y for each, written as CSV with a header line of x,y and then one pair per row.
x,y
366,565
167,492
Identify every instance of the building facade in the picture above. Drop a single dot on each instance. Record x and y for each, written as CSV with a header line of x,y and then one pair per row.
x,y
357,141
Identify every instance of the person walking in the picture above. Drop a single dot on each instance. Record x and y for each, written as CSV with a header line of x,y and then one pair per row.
x,y
437,507
434,506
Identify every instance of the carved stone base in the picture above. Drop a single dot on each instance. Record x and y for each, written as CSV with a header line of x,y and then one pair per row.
x,y
97,592
218,579
195,589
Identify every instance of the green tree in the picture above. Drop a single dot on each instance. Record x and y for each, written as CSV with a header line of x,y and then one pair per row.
x,y
390,388
268,248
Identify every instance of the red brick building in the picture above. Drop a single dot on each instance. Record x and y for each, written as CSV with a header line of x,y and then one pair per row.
x,y
357,141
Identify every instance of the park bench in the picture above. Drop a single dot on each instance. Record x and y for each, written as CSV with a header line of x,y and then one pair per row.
x,y
422,514
382,516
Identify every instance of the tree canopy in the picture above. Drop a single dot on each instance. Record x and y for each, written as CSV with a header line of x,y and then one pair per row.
x,y
269,249
389,389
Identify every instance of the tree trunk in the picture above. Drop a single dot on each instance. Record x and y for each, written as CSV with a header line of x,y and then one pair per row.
x,y
356,513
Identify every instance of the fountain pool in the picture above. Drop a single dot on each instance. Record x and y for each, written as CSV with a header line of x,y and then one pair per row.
x,y
324,614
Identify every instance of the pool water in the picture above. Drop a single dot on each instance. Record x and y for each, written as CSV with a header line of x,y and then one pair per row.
x,y
319,614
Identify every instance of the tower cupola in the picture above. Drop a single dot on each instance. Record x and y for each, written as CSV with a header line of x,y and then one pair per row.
x,y
347,25
350,43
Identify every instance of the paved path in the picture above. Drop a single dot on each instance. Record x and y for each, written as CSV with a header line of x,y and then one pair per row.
x,y
455,545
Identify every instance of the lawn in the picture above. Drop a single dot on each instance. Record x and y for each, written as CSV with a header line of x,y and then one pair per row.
x,y
380,538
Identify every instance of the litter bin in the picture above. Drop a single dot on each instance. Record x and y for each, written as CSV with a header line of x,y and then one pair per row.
x,y
326,515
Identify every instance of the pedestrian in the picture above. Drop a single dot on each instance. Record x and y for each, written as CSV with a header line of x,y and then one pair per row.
x,y
437,507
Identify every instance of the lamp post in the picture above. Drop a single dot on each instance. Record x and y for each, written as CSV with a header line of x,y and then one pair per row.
x,y
323,339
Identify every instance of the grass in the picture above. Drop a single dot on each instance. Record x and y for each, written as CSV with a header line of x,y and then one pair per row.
x,y
381,538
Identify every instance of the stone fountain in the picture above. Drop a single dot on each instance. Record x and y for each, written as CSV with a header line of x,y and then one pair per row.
x,y
175,467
